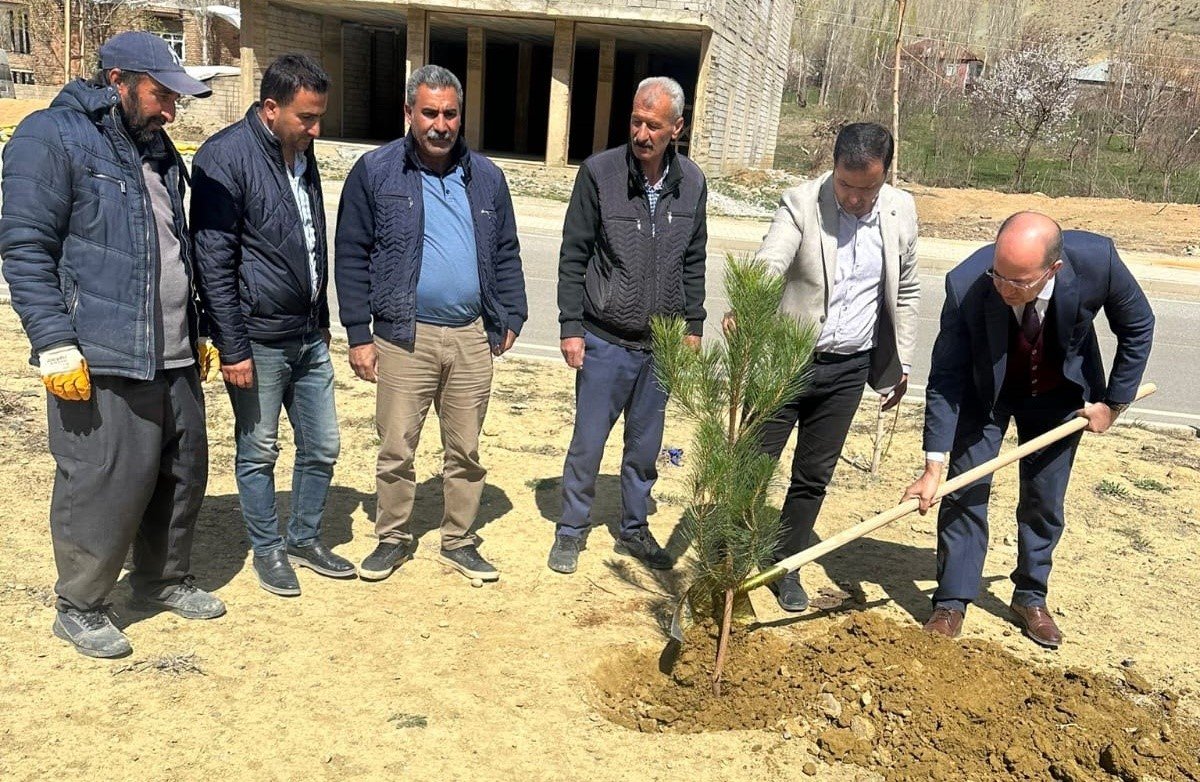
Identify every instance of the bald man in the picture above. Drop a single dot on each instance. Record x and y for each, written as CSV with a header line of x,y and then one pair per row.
x,y
1017,343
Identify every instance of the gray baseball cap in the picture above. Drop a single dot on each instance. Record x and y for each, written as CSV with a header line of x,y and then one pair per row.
x,y
150,54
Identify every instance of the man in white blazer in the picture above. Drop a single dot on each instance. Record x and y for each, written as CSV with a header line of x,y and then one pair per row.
x,y
846,246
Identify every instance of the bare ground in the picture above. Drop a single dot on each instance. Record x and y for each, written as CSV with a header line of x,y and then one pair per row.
x,y
424,677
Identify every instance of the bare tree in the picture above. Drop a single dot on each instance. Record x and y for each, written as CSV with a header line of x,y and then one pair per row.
x,y
1029,98
93,22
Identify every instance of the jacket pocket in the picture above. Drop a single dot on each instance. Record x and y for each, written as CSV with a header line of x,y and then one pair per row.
x,y
107,178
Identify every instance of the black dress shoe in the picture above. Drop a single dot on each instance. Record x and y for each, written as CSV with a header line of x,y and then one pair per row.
x,y
317,557
275,574
790,594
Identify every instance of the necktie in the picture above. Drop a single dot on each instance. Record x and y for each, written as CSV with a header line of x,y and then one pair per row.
x,y
1031,324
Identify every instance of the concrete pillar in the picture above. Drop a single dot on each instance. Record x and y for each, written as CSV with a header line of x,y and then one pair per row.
x,y
253,44
698,151
604,93
416,50
331,59
561,75
476,76
521,115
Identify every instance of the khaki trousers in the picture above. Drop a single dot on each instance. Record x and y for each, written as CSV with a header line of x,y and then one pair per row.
x,y
452,368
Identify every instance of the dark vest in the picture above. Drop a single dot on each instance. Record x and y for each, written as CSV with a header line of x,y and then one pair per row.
x,y
1033,368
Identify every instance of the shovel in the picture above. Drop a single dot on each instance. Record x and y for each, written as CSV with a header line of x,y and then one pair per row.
x,y
682,618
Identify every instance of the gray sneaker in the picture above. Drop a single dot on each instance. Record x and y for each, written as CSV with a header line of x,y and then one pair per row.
x,y
466,560
91,632
564,554
186,600
381,562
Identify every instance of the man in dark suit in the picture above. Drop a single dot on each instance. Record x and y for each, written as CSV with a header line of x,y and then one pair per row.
x,y
1017,342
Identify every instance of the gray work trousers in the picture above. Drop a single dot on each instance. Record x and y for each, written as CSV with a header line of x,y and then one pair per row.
x,y
132,468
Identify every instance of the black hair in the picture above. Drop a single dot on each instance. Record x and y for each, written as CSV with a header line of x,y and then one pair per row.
x,y
861,143
290,73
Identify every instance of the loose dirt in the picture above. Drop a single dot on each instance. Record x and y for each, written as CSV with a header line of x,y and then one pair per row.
x,y
913,707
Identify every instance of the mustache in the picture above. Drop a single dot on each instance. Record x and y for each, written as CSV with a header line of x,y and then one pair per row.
x,y
438,135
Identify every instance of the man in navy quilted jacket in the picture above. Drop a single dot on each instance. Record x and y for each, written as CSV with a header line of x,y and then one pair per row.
x,y
259,223
99,261
430,288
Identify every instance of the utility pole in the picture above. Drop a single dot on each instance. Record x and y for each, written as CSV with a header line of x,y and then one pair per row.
x,y
896,91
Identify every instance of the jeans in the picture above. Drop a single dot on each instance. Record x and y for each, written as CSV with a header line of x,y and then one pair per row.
x,y
295,374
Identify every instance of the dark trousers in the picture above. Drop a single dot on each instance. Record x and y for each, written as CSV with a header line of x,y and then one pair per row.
x,y
822,414
613,381
963,516
132,468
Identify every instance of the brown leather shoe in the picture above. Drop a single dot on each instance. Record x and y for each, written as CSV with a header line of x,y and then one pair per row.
x,y
1038,624
945,621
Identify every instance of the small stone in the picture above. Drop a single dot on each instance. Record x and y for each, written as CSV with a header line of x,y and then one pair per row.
x,y
477,583
862,728
1128,662
647,725
809,768
329,758
830,706
865,699
1118,512
784,672
425,635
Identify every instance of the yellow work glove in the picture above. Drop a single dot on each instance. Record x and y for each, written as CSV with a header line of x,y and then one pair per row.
x,y
65,373
210,361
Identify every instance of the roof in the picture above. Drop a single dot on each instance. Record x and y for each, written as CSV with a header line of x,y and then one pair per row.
x,y
931,49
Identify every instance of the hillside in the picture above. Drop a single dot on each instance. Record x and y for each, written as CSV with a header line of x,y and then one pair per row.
x,y
1098,25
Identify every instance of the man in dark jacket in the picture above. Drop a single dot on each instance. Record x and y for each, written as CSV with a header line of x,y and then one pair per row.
x,y
427,254
633,246
99,261
1018,343
259,224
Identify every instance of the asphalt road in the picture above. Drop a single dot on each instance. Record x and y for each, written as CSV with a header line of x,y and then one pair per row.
x,y
1176,355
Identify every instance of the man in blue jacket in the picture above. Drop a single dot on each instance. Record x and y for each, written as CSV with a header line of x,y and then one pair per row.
x,y
1018,343
99,261
259,224
427,257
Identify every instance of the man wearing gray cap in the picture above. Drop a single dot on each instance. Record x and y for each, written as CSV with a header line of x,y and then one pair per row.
x,y
99,262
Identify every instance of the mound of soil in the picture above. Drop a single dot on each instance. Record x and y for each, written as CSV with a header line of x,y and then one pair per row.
x,y
910,706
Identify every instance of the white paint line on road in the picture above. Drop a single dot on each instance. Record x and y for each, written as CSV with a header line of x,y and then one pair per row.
x,y
1132,411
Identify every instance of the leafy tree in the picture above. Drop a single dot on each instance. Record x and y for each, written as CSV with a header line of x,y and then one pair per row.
x,y
729,390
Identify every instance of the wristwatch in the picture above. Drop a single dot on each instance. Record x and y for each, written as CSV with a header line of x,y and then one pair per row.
x,y
1118,407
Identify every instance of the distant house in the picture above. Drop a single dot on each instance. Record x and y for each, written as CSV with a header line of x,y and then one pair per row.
x,y
1094,76
957,65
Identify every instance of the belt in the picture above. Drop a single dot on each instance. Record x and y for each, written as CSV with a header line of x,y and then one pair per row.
x,y
837,358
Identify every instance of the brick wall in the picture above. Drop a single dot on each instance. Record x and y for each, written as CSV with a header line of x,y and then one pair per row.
x,y
199,118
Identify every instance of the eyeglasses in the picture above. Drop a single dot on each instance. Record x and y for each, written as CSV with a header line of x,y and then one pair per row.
x,y
1017,284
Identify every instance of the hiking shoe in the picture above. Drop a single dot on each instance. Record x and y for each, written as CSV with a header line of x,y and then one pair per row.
x,y
275,573
564,554
386,557
186,600
318,558
466,560
642,546
91,632
790,594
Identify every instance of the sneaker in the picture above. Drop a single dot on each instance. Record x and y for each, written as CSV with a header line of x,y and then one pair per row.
x,y
91,632
316,557
642,546
466,560
790,594
186,600
386,557
275,573
564,554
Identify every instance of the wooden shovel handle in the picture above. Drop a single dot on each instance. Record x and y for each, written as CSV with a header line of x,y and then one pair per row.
x,y
867,526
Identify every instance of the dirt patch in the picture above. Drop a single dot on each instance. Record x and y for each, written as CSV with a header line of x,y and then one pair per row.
x,y
911,706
